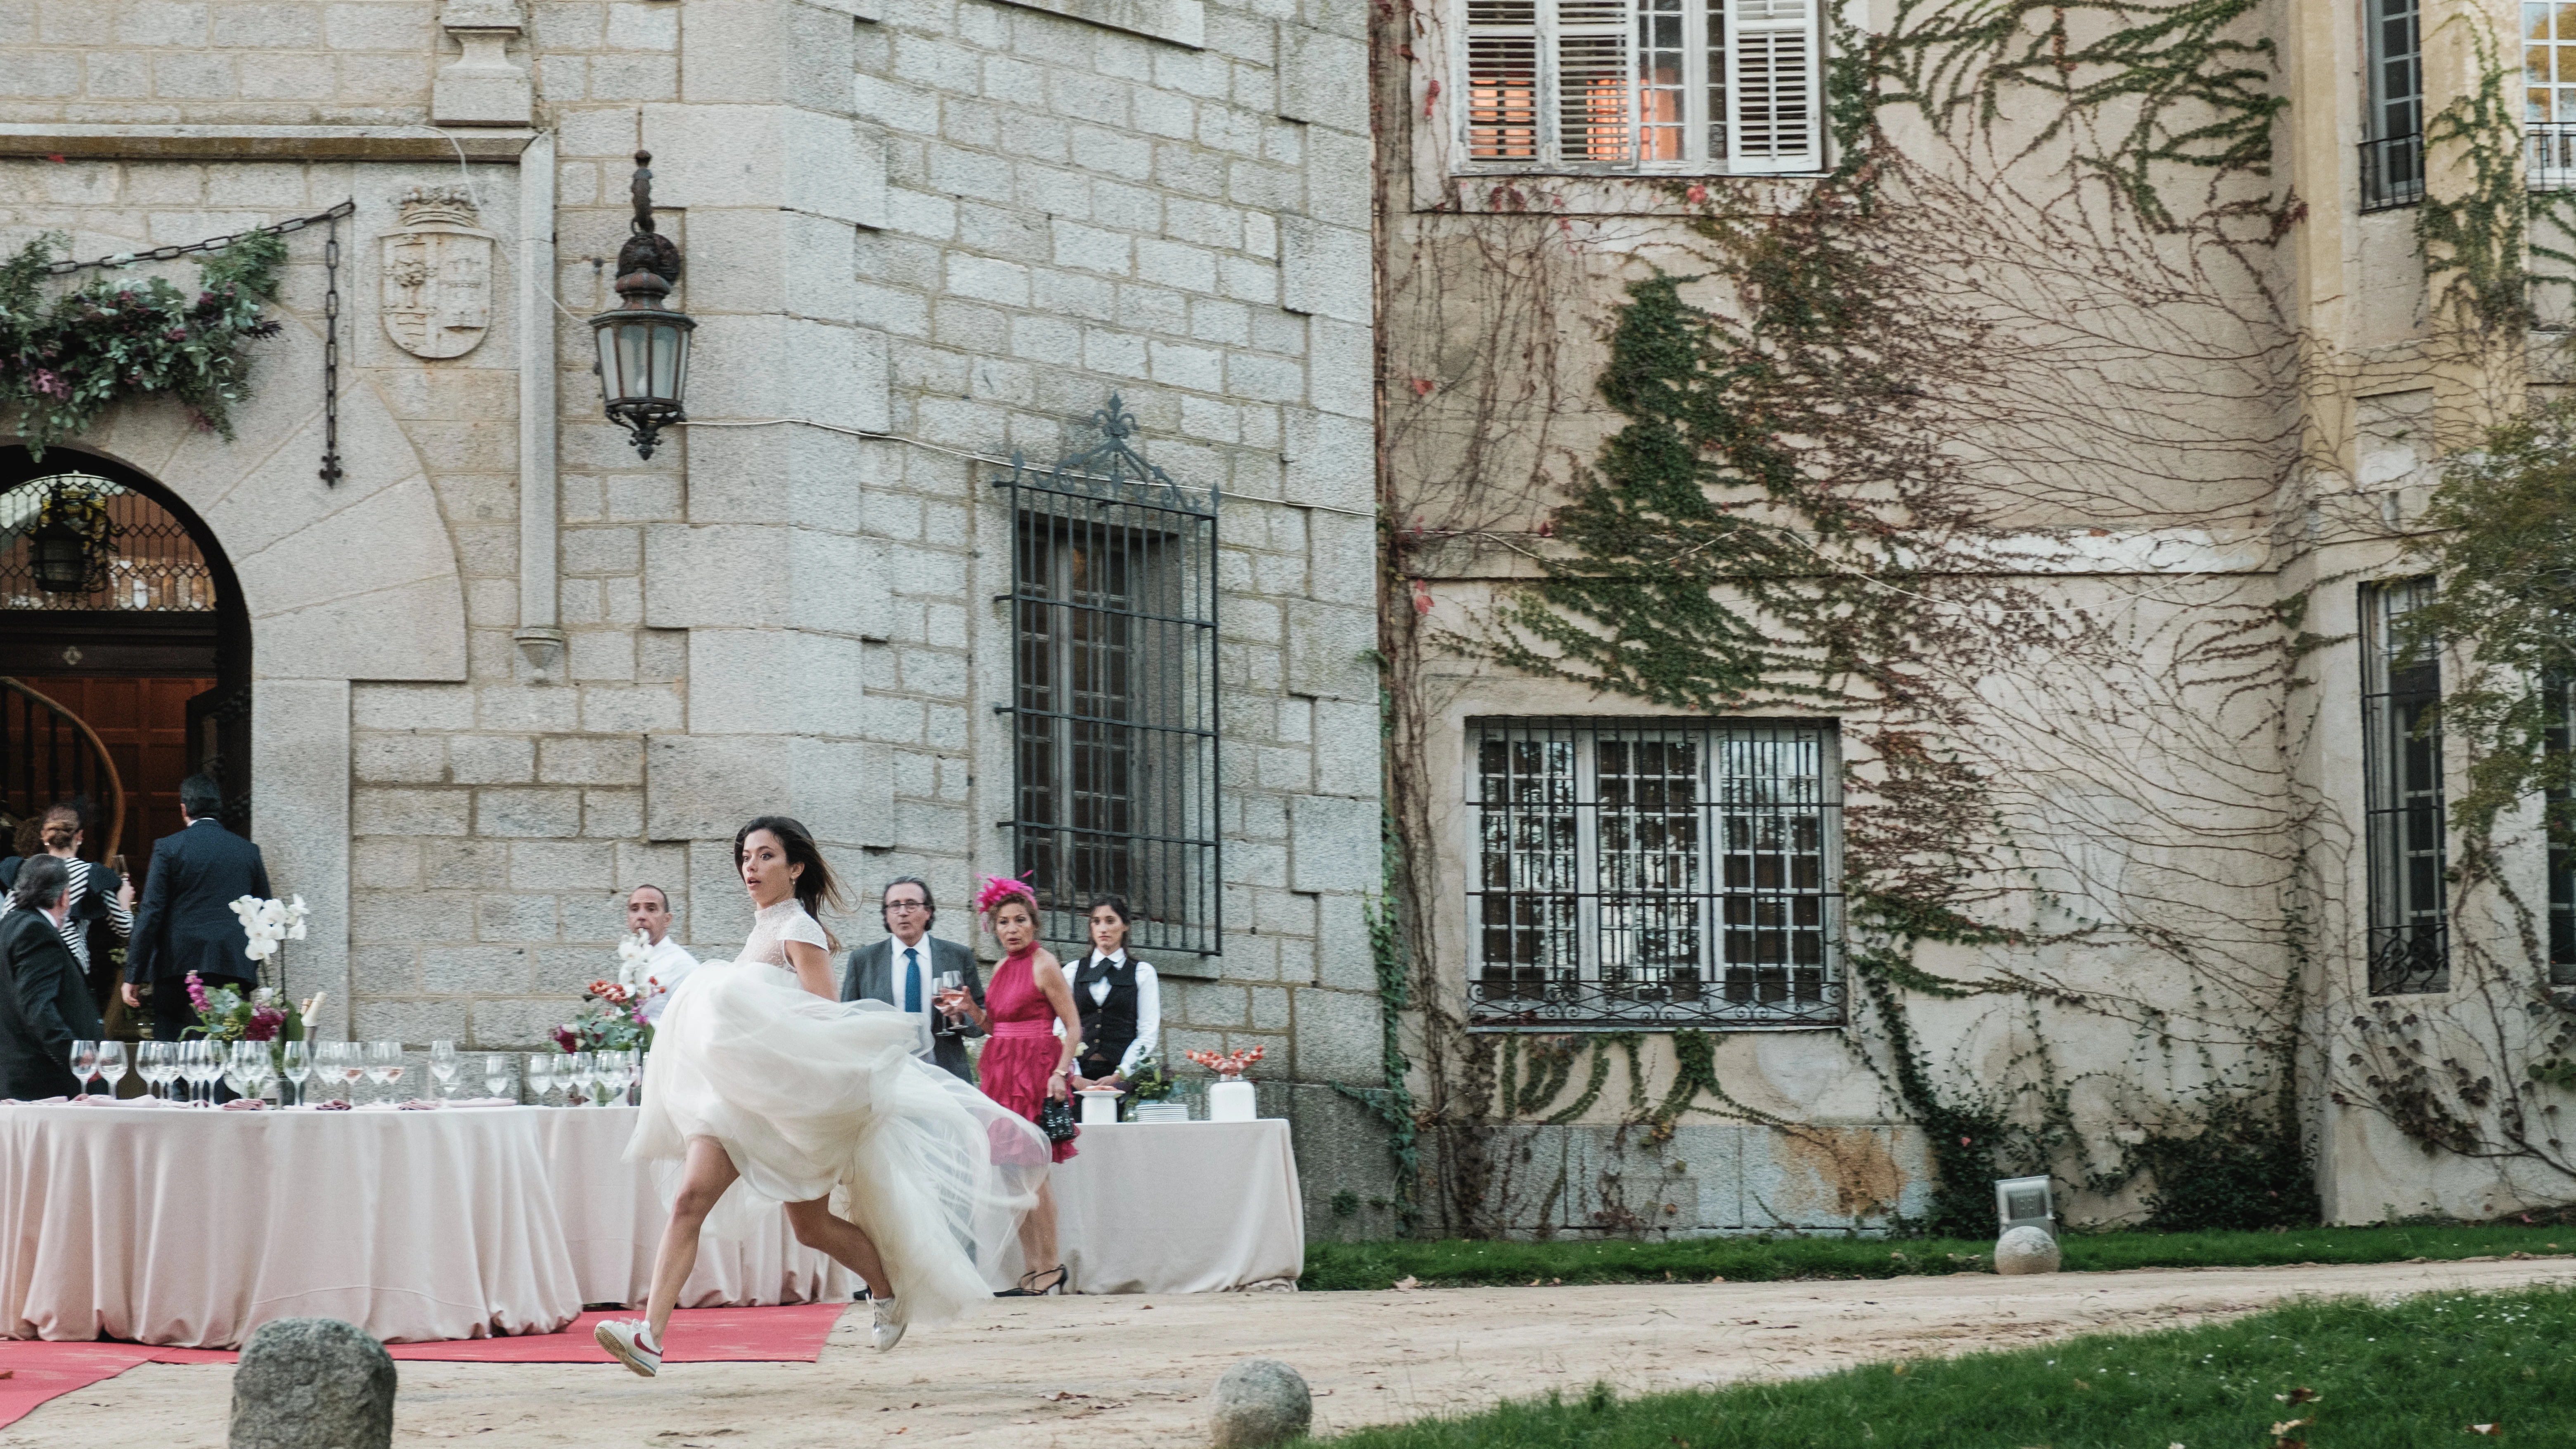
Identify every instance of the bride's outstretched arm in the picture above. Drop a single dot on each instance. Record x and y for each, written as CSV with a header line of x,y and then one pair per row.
x,y
1049,975
813,969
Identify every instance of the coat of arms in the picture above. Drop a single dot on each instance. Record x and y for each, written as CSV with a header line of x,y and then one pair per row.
x,y
437,277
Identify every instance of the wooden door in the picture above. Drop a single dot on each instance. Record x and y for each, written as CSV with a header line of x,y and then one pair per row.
x,y
144,724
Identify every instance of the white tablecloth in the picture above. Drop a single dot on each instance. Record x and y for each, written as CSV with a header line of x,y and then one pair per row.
x,y
191,1228
613,1212
172,1226
1180,1207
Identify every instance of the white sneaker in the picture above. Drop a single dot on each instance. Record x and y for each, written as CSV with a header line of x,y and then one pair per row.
x,y
889,1327
624,1340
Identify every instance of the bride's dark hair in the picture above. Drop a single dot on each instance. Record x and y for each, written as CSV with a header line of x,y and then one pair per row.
x,y
815,885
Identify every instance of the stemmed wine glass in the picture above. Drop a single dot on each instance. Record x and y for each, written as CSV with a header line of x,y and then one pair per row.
x,y
297,1064
442,1065
385,1065
147,1065
251,1069
618,1071
210,1069
541,1075
349,1059
496,1075
84,1062
192,1066
576,1075
111,1064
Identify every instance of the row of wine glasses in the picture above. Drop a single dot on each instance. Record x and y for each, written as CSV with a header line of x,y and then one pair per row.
x,y
249,1067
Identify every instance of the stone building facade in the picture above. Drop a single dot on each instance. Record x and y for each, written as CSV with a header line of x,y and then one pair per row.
x,y
2170,413
504,669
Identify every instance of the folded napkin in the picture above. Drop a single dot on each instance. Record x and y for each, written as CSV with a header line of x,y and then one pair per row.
x,y
246,1104
484,1102
418,1104
331,1107
32,1102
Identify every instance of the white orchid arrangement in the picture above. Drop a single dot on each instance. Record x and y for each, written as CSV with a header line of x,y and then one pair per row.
x,y
631,955
268,923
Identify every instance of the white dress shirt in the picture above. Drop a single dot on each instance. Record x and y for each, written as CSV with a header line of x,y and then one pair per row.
x,y
915,960
1149,1009
662,970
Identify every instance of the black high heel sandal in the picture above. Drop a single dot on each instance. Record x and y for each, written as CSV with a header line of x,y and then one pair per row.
x,y
1055,1284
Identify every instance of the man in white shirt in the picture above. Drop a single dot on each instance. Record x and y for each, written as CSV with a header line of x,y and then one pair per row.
x,y
903,971
658,973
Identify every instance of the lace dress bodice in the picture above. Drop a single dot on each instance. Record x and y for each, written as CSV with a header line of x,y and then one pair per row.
x,y
774,926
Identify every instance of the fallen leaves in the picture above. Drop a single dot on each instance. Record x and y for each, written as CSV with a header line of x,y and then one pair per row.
x,y
2492,1431
2297,1396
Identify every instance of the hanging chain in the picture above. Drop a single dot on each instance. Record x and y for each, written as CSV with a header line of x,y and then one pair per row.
x,y
210,244
331,346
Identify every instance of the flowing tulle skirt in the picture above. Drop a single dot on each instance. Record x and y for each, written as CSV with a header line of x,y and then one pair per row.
x,y
814,1098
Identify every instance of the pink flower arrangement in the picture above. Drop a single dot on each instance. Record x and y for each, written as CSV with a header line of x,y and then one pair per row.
x,y
225,1014
1228,1065
611,1018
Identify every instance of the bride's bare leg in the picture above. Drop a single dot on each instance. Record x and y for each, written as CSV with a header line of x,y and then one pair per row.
x,y
842,1240
1037,1230
703,1179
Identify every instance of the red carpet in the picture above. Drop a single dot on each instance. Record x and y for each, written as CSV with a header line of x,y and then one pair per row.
x,y
37,1371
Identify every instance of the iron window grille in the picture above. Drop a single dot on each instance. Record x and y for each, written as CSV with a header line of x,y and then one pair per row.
x,y
152,566
2558,822
1654,873
2404,822
2392,149
1114,693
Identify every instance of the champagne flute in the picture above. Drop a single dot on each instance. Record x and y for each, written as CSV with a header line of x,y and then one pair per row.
x,y
84,1062
111,1064
443,1064
385,1065
496,1075
541,1075
296,1059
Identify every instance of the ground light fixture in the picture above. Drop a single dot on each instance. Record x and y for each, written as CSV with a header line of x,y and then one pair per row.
x,y
644,345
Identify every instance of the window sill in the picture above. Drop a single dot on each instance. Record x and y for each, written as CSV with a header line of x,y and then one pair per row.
x,y
1599,193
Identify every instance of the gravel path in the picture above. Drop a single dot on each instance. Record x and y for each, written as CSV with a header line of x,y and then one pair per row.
x,y
1085,1373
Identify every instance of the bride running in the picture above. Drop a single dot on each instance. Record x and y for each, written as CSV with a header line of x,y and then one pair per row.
x,y
769,1091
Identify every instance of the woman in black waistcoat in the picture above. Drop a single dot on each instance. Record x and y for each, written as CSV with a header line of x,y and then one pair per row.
x,y
1120,1001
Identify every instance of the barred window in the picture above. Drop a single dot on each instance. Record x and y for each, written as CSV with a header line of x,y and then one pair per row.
x,y
1113,705
1712,86
1655,872
2404,820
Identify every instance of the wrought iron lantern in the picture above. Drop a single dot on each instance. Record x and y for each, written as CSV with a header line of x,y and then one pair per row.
x,y
68,548
643,345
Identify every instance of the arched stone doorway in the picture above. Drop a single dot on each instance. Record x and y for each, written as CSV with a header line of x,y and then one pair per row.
x,y
150,651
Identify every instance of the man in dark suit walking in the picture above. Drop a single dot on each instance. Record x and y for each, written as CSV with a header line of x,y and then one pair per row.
x,y
186,922
903,971
44,1002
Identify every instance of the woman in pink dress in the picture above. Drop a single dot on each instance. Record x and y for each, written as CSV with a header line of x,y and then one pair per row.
x,y
1034,1035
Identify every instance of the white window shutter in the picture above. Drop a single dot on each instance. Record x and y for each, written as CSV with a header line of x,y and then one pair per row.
x,y
1774,87
1502,80
1596,102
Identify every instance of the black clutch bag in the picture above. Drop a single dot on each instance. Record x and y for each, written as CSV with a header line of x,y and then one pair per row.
x,y
1055,1119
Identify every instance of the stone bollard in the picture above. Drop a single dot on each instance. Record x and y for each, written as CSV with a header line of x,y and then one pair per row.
x,y
2026,1250
313,1383
1259,1402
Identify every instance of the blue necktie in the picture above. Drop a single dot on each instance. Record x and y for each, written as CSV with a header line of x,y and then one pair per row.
x,y
911,979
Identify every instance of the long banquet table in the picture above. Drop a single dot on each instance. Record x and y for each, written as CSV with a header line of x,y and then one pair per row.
x,y
191,1228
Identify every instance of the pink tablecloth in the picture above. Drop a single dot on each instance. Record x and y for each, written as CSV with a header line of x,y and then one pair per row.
x,y
191,1228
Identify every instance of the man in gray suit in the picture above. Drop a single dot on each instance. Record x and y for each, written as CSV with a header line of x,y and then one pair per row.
x,y
903,971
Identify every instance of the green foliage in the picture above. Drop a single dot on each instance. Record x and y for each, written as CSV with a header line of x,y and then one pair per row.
x,y
2349,1373
1393,1102
65,358
2246,1167
2475,241
1458,1263
2138,90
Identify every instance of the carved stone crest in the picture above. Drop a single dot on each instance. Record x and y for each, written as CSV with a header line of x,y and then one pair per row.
x,y
436,276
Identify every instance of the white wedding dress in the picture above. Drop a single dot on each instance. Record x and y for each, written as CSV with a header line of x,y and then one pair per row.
x,y
814,1098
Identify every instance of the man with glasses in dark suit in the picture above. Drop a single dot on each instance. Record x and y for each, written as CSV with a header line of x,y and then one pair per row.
x,y
903,971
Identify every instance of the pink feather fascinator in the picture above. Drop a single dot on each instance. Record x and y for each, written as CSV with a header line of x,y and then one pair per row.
x,y
1000,888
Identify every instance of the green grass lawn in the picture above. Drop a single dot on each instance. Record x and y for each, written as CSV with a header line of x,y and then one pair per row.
x,y
1762,1260
2416,1374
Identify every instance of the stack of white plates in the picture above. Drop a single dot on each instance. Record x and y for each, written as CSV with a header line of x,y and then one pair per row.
x,y
1162,1112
